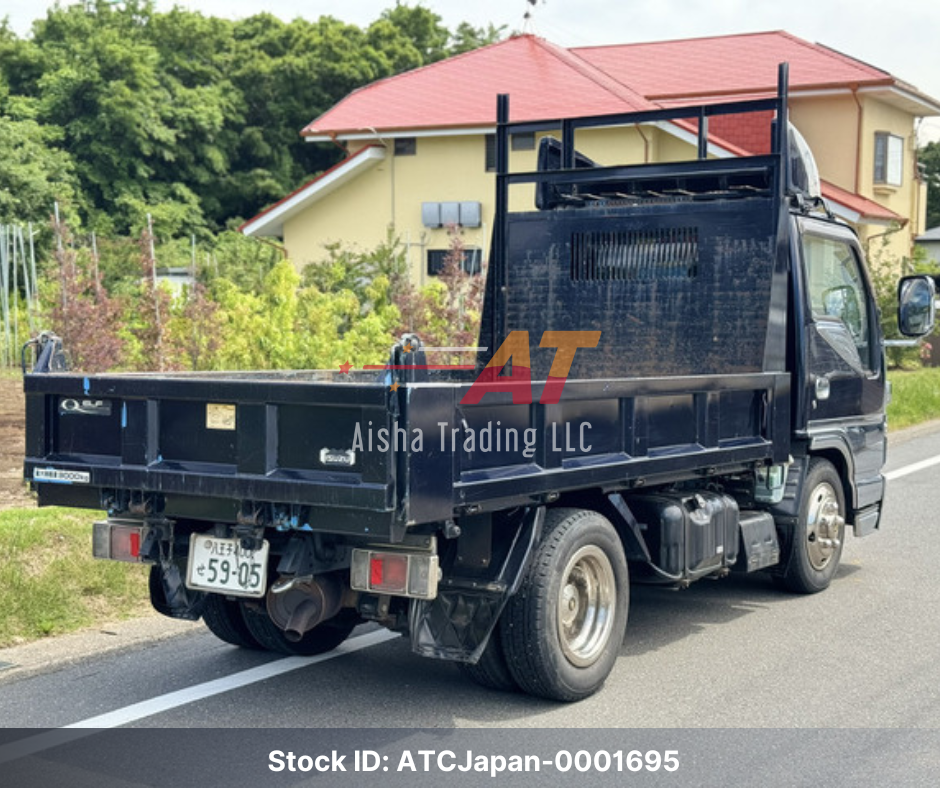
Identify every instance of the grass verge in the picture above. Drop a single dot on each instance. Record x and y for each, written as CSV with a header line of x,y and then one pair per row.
x,y
915,397
49,582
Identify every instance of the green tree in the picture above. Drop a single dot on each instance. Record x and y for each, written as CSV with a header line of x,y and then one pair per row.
x,y
206,109
886,269
288,74
191,119
422,27
467,37
34,172
929,157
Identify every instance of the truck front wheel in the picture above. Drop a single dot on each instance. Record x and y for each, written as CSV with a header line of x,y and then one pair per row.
x,y
563,629
815,546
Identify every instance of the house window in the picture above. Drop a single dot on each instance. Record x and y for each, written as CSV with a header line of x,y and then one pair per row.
x,y
472,260
524,141
406,146
889,158
491,153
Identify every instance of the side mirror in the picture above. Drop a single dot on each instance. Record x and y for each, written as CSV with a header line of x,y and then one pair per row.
x,y
916,308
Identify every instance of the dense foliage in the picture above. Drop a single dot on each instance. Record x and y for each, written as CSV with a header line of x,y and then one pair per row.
x,y
929,158
127,119
259,313
885,269
117,110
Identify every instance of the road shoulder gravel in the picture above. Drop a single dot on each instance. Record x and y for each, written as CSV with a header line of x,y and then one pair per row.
x,y
49,654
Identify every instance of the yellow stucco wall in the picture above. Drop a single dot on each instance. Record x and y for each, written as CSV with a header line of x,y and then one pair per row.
x,y
846,157
356,215
829,124
906,199
443,169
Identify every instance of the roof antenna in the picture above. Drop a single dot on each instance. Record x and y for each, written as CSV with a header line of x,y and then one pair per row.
x,y
528,26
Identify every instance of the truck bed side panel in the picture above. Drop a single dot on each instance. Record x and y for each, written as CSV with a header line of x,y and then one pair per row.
x,y
602,434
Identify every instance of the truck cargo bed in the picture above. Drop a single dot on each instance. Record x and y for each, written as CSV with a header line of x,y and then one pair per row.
x,y
210,444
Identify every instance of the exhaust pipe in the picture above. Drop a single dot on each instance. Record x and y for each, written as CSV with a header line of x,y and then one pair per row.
x,y
298,606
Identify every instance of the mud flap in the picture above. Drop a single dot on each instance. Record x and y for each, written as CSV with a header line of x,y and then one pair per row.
x,y
169,595
456,625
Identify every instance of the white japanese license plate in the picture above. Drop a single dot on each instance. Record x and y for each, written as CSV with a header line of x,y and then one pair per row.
x,y
224,566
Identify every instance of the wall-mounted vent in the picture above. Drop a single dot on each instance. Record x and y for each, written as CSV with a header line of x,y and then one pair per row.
x,y
431,214
445,214
635,255
450,213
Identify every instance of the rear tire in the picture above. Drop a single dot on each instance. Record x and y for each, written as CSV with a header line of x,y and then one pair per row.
x,y
492,670
322,638
223,617
816,543
563,630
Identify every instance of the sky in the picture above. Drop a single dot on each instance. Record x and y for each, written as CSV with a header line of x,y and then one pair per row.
x,y
900,37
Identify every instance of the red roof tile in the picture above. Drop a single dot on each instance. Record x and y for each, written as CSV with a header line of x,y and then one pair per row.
x,y
728,65
545,81
865,208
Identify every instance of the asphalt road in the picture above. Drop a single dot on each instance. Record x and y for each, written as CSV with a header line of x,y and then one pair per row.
x,y
734,653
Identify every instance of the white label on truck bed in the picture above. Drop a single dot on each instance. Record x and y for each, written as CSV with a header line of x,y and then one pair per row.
x,y
220,417
60,477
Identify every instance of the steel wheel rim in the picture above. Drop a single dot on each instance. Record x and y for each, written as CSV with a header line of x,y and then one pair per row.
x,y
824,526
587,602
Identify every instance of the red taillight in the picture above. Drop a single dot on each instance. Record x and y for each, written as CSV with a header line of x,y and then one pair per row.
x,y
118,541
388,572
125,543
410,574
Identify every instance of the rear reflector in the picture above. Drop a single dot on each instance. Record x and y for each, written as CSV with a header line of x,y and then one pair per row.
x,y
396,573
118,541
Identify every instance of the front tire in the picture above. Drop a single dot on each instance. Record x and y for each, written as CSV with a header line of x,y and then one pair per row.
x,y
562,631
816,543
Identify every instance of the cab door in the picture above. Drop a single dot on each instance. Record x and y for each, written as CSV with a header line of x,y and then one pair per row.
x,y
845,361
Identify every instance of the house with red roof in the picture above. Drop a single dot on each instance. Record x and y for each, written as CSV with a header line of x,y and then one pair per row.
x,y
420,153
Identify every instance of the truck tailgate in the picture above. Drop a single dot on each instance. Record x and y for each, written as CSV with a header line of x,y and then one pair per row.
x,y
281,437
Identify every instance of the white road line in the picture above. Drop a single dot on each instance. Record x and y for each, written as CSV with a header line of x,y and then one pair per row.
x,y
172,700
914,468
138,711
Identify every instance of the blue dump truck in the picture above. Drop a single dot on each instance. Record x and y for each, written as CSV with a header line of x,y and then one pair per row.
x,y
680,375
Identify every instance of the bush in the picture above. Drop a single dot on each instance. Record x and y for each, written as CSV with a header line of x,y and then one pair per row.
x,y
249,308
886,270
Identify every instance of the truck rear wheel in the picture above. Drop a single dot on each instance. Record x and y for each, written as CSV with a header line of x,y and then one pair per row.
x,y
562,631
492,670
816,543
223,617
322,638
